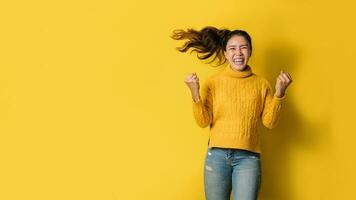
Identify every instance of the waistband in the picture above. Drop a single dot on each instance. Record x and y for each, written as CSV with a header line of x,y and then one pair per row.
x,y
230,151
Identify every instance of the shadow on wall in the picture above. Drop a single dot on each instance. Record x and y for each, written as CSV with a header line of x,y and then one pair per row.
x,y
292,132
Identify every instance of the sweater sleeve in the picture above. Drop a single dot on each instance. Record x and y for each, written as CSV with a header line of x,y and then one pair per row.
x,y
272,107
203,108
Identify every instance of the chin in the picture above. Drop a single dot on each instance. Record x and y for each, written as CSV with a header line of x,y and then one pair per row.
x,y
239,67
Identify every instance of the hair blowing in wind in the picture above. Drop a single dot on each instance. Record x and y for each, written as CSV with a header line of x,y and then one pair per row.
x,y
208,42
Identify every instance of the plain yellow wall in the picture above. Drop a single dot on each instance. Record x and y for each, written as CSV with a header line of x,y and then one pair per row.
x,y
93,103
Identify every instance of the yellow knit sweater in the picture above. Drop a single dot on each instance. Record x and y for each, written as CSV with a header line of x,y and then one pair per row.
x,y
232,103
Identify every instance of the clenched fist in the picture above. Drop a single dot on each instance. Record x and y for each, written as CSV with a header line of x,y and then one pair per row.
x,y
283,81
192,81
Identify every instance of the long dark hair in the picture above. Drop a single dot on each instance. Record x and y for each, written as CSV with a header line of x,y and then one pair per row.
x,y
208,42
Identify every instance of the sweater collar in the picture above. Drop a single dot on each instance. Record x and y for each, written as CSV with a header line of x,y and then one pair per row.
x,y
236,73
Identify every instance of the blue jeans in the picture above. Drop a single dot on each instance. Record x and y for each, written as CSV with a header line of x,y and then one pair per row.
x,y
233,170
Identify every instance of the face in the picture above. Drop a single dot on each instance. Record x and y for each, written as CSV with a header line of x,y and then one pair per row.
x,y
237,52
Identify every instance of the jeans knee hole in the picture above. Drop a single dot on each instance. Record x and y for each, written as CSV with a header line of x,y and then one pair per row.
x,y
208,168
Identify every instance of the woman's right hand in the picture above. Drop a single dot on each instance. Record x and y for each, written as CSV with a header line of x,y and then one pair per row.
x,y
192,81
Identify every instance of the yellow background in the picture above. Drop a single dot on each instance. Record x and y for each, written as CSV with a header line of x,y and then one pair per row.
x,y
93,103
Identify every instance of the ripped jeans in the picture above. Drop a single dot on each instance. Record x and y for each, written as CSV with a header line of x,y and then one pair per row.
x,y
231,170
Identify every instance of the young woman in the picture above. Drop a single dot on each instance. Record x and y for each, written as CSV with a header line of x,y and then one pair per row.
x,y
232,103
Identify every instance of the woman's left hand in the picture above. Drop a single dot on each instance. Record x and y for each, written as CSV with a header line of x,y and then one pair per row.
x,y
283,81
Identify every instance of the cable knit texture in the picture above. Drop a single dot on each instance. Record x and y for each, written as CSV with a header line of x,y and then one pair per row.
x,y
232,104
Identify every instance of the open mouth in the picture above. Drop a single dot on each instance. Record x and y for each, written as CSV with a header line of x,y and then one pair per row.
x,y
239,61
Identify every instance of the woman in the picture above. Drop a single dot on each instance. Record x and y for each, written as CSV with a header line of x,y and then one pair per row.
x,y
232,103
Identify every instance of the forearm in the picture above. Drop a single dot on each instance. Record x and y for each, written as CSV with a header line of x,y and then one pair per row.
x,y
202,108
272,111
195,95
201,113
279,94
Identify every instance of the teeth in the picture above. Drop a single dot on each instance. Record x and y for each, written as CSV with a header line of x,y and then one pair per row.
x,y
239,60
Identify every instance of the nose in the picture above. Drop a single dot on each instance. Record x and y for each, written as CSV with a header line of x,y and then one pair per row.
x,y
238,51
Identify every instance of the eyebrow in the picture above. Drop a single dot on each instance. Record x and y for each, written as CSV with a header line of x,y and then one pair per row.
x,y
232,45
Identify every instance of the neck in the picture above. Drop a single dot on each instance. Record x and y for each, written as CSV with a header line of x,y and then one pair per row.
x,y
237,73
